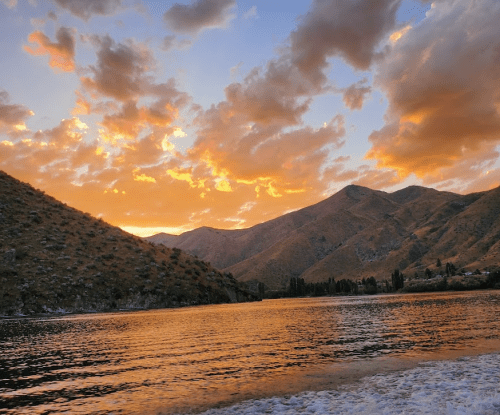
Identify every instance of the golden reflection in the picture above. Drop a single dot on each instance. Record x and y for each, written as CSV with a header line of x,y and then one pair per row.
x,y
194,358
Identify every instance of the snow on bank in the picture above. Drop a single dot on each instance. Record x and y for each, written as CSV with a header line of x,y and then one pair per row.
x,y
469,385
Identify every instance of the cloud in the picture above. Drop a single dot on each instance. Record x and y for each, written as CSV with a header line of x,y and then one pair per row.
x,y
88,8
12,116
46,154
68,132
172,42
351,30
251,13
263,155
121,71
199,16
441,80
61,53
354,95
255,137
363,175
235,70
476,171
132,119
10,3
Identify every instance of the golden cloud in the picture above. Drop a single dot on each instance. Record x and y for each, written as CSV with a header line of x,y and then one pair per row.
x,y
61,53
223,186
143,178
441,79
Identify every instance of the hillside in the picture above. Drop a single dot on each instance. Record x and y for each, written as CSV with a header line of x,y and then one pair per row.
x,y
56,258
356,233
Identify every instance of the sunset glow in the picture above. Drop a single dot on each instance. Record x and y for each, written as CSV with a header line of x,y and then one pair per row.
x,y
164,116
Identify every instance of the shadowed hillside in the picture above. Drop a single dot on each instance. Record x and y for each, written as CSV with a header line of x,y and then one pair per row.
x,y
56,258
357,233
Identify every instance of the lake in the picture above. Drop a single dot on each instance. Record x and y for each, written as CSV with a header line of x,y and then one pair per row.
x,y
308,355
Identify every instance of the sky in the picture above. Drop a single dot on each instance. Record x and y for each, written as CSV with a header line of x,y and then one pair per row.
x,y
163,117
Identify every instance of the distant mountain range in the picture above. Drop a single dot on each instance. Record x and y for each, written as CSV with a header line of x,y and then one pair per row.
x,y
54,258
356,233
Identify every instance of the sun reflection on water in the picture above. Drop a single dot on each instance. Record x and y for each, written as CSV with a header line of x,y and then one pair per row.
x,y
195,358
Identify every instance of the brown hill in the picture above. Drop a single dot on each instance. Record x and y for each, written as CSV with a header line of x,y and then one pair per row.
x,y
356,233
56,258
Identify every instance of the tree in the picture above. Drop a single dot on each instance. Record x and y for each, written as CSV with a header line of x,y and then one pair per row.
x,y
438,263
428,273
331,286
371,286
397,280
262,289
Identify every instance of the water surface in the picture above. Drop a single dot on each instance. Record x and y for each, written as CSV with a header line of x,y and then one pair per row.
x,y
192,359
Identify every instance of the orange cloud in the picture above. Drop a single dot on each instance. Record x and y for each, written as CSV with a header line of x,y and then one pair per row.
x,y
223,186
82,105
398,34
62,52
441,80
142,177
124,76
12,116
68,132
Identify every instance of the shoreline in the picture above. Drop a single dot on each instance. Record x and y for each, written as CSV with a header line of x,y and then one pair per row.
x,y
131,310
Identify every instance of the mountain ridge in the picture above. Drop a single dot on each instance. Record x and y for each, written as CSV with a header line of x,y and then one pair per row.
x,y
355,233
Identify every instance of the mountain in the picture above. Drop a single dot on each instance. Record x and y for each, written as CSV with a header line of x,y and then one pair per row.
x,y
56,258
356,233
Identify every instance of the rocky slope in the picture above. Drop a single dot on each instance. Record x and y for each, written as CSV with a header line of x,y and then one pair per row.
x,y
56,258
356,233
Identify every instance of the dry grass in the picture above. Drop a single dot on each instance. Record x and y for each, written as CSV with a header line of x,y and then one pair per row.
x,y
55,257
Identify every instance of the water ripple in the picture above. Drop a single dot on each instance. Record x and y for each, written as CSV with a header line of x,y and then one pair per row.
x,y
194,358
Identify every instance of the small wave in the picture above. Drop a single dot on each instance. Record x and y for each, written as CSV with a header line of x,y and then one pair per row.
x,y
469,385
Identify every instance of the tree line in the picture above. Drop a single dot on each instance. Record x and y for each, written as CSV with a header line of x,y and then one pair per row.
x,y
299,288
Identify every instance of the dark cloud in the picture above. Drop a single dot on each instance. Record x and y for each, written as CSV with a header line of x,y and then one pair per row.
x,y
122,69
279,95
442,82
355,95
351,30
201,15
85,9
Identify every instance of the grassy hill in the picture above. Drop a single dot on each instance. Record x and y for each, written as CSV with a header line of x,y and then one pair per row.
x,y
54,258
